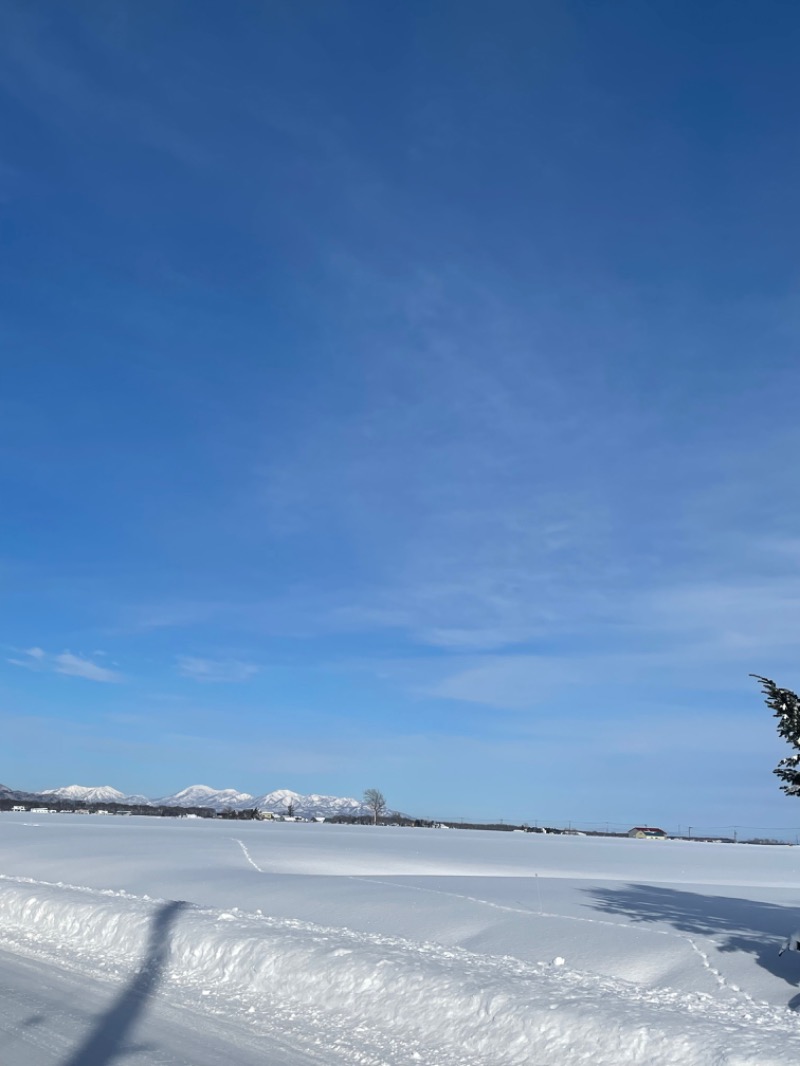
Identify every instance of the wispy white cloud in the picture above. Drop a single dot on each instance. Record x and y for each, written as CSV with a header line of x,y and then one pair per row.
x,y
66,663
76,666
468,483
215,670
704,636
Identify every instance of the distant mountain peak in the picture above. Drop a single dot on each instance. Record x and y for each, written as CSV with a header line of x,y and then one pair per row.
x,y
206,796
309,806
87,793
277,801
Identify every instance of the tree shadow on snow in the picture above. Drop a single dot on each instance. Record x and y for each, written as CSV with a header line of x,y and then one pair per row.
x,y
105,1041
754,928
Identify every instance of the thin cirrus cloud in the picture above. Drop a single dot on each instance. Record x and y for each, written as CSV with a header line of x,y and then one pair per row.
x,y
66,663
215,670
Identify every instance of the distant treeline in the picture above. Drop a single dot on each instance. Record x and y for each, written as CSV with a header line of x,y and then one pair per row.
x,y
63,806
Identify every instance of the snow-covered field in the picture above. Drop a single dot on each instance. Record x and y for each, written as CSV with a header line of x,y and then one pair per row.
x,y
161,941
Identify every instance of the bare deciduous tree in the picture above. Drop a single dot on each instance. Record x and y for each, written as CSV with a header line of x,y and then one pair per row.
x,y
374,799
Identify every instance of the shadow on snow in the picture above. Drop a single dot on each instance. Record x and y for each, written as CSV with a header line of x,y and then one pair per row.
x,y
749,926
105,1042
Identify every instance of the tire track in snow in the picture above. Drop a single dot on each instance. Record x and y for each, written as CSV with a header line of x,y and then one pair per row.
x,y
247,855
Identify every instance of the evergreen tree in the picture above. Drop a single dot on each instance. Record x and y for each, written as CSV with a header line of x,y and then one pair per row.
x,y
785,706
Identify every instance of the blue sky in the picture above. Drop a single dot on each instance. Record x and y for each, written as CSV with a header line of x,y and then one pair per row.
x,y
402,395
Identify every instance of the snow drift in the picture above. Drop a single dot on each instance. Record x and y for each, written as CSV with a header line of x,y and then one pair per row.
x,y
463,1007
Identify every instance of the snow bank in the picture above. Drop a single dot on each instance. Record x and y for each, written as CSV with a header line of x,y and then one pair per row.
x,y
455,1006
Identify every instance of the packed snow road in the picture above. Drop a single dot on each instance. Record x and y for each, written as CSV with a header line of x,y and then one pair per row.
x,y
177,942
51,1015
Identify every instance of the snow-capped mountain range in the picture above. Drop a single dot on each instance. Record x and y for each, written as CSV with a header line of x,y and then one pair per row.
x,y
312,806
89,794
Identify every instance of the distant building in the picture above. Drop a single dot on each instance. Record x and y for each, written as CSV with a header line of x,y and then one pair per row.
x,y
647,832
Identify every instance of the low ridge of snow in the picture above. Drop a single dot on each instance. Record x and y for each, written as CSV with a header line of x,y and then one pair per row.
x,y
390,989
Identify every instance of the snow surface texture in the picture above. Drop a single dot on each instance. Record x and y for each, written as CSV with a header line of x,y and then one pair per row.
x,y
394,946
